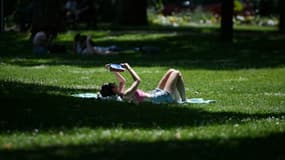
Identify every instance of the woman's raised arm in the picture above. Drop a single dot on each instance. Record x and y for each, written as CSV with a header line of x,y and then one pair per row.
x,y
136,78
122,81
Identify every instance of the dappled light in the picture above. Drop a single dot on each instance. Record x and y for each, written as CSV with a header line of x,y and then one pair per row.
x,y
186,49
148,79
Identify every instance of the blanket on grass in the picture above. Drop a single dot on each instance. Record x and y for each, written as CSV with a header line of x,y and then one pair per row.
x,y
117,98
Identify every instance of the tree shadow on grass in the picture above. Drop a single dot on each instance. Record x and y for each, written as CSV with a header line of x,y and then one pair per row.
x,y
182,49
26,107
267,147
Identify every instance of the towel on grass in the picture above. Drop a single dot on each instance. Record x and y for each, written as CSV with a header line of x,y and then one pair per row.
x,y
118,98
197,101
96,96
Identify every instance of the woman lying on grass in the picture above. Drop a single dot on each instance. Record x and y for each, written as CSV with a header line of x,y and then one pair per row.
x,y
170,89
84,45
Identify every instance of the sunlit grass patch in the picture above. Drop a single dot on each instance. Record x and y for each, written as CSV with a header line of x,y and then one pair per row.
x,y
40,118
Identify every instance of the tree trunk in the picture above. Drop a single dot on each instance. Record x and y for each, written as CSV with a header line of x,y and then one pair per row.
x,y
132,12
227,20
282,16
266,7
48,16
1,15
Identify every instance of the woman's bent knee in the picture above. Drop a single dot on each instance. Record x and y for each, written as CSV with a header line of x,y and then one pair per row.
x,y
175,72
172,70
178,73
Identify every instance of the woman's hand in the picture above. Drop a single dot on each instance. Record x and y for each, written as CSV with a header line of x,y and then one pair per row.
x,y
89,38
125,65
107,66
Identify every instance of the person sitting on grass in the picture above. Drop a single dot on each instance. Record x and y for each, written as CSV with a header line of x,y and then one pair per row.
x,y
83,45
170,89
41,42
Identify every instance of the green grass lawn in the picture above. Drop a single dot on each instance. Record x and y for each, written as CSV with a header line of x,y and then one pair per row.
x,y
40,120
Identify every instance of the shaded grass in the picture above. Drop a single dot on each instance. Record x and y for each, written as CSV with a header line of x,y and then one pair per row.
x,y
66,127
40,120
246,148
190,49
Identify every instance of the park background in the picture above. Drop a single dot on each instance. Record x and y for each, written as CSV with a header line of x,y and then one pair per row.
x,y
229,51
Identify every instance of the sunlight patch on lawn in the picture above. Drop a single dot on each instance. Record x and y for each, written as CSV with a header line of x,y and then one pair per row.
x,y
279,94
138,37
89,71
240,79
85,86
39,66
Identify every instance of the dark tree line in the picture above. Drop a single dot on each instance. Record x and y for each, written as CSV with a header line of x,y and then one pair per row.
x,y
227,19
48,14
282,16
132,12
1,15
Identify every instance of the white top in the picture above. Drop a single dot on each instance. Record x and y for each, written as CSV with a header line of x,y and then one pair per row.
x,y
40,39
71,5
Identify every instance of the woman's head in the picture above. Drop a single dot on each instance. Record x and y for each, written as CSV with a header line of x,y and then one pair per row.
x,y
109,89
79,38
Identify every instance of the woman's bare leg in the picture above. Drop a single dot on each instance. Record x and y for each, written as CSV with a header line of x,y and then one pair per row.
x,y
170,84
181,87
92,50
89,46
163,80
175,83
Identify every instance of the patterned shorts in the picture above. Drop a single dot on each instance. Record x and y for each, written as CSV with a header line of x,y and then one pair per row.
x,y
161,96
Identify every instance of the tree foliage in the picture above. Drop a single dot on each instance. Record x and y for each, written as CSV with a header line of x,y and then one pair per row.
x,y
282,16
132,12
47,15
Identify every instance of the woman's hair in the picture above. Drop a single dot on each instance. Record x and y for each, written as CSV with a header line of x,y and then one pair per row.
x,y
107,89
82,39
79,38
